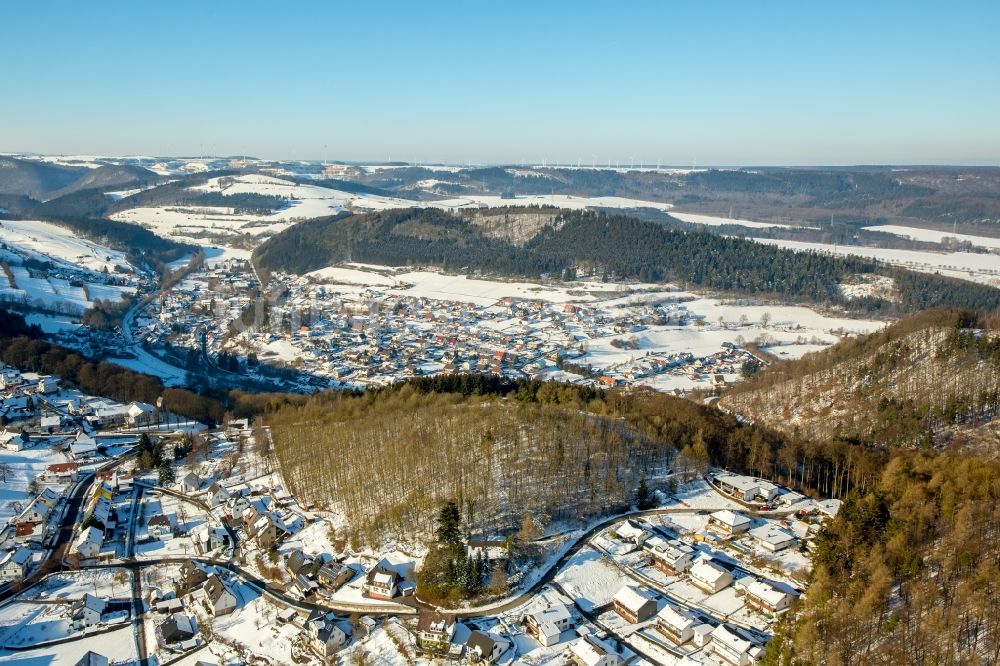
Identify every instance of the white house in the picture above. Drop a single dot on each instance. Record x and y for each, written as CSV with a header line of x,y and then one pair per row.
x,y
83,445
48,385
326,634
87,611
773,538
729,523
190,483
219,495
762,595
733,647
676,623
220,598
14,441
89,543
36,512
592,651
709,576
9,378
632,532
140,413
671,557
486,648
14,565
547,625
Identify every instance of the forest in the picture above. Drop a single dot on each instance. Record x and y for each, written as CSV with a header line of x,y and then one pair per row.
x,y
930,380
907,573
611,247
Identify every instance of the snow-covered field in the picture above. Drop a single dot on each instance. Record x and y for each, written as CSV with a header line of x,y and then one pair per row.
x,y
715,221
25,466
49,241
984,268
78,279
590,579
933,235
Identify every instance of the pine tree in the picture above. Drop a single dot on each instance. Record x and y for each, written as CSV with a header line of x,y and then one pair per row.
x,y
643,498
449,523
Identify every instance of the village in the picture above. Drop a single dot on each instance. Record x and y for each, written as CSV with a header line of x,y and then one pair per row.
x,y
323,333
183,543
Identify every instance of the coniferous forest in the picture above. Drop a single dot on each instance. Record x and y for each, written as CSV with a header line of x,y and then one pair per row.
x,y
612,247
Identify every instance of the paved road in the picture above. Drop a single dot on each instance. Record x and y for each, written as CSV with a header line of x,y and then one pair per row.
x,y
64,536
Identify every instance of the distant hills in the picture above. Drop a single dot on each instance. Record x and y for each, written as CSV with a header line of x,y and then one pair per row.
x,y
42,181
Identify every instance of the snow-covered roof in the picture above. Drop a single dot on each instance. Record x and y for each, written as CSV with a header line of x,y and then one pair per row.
x,y
772,535
708,571
633,598
676,618
589,650
730,518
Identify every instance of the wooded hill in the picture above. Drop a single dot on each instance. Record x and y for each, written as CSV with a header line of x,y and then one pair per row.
x,y
907,573
929,380
608,246
388,459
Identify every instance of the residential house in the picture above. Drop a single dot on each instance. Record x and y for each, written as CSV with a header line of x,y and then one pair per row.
x,y
83,446
60,473
326,634
298,562
14,565
160,526
632,532
733,647
218,495
220,598
671,557
709,576
745,488
305,585
677,624
89,543
192,577
50,423
382,583
728,523
593,651
10,378
140,414
763,596
483,648
176,629
49,498
36,512
29,532
635,604
190,483
435,631
208,539
773,538
547,625
87,611
334,576
47,385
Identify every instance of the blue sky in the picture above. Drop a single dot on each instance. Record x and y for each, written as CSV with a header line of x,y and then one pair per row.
x,y
697,82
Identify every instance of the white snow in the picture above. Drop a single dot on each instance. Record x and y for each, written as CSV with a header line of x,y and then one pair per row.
x,y
933,235
984,268
590,579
